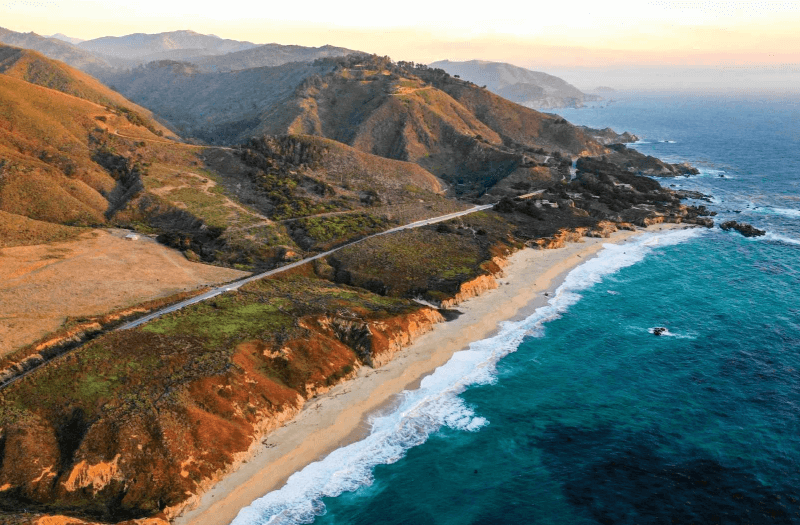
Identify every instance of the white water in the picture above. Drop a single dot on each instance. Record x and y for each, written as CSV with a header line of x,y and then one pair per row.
x,y
436,403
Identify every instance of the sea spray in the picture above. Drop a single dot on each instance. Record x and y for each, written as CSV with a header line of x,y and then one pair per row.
x,y
436,403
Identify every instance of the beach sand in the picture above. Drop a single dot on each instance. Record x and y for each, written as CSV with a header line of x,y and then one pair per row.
x,y
340,417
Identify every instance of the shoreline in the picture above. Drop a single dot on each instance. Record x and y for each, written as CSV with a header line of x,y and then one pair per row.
x,y
341,416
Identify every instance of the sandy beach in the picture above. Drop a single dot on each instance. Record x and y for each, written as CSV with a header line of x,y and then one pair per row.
x,y
340,416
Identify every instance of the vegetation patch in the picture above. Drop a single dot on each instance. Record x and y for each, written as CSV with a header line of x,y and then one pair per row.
x,y
322,233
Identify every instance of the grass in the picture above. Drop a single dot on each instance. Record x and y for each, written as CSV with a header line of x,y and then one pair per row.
x,y
16,230
226,318
210,208
430,261
326,232
123,370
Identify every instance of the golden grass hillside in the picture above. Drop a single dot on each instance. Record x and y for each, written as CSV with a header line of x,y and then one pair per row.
x,y
30,66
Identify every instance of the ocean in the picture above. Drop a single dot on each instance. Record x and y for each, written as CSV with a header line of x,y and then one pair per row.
x,y
579,414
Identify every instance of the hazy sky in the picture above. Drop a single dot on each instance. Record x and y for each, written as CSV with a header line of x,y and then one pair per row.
x,y
557,35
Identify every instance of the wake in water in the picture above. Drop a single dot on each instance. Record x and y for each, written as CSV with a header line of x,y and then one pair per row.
x,y
436,403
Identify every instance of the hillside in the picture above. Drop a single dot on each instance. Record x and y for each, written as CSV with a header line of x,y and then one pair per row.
x,y
49,113
461,133
266,55
70,164
217,108
32,67
55,49
83,156
530,88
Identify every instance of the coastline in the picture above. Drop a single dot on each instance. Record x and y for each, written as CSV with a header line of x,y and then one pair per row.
x,y
340,417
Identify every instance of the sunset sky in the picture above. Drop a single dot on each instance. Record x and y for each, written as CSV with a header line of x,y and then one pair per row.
x,y
564,36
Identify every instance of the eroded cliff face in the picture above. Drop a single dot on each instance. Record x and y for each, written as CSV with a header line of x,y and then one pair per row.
x,y
158,454
469,289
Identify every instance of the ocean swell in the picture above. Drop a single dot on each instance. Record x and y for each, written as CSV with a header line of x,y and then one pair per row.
x,y
436,403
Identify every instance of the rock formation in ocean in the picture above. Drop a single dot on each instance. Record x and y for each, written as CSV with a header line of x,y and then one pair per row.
x,y
745,229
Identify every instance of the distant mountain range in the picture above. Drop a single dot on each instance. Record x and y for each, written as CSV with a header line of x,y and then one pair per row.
x,y
523,86
57,50
68,39
104,56
143,48
107,58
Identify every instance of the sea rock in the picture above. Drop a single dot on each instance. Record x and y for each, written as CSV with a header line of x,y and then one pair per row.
x,y
742,227
689,194
641,164
659,330
704,221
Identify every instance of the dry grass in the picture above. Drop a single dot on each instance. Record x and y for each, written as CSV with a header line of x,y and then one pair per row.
x,y
41,286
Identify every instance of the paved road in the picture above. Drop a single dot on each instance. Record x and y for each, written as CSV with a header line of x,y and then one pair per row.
x,y
235,285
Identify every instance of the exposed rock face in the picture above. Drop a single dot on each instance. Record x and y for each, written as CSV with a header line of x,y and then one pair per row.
x,y
66,520
470,289
689,194
603,229
640,164
608,136
745,229
560,239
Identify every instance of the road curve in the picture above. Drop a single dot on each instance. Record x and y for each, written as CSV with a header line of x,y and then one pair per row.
x,y
236,284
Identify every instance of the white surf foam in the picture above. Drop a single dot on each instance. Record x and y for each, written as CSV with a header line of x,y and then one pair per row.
x,y
774,237
786,212
436,403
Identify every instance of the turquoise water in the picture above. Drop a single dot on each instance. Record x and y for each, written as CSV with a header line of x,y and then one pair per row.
x,y
579,414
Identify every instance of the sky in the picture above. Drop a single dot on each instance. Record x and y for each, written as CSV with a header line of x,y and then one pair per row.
x,y
591,41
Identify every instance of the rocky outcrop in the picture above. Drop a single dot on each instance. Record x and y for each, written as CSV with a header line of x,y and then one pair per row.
x,y
608,136
66,520
470,289
742,227
561,239
689,194
641,164
603,229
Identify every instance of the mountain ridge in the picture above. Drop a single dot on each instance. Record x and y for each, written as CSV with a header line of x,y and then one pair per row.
x,y
139,45
55,49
